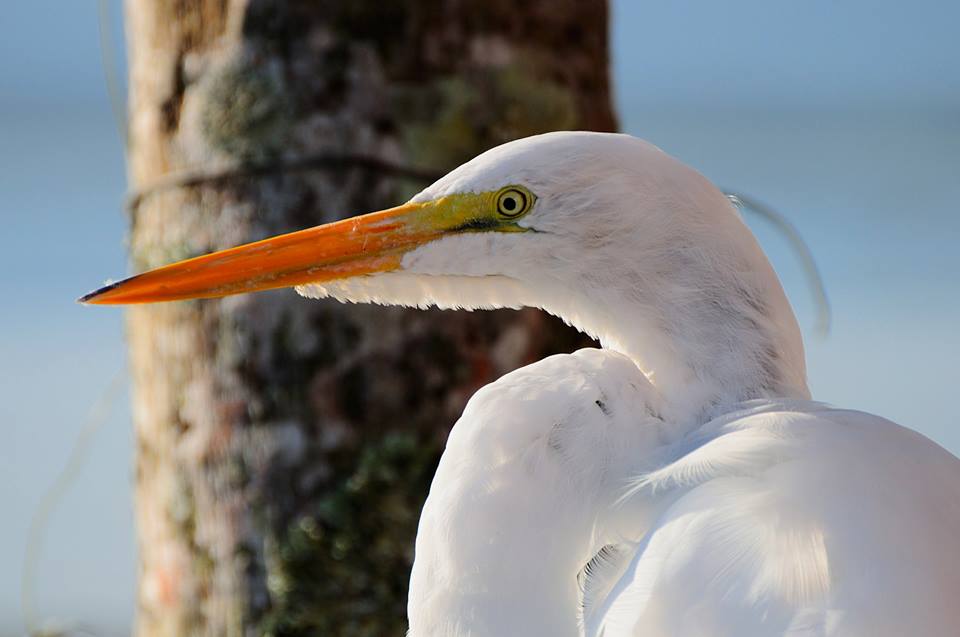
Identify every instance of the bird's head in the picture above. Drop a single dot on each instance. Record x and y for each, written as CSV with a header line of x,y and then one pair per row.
x,y
559,210
604,230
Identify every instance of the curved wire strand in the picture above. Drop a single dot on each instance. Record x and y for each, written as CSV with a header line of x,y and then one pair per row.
x,y
108,60
815,282
40,521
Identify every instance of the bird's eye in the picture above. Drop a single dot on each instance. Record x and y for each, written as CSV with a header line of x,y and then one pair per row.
x,y
513,201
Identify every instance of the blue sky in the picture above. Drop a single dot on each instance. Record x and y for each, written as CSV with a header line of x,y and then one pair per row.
x,y
844,115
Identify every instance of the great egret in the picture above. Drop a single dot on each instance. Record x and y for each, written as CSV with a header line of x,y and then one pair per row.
x,y
679,481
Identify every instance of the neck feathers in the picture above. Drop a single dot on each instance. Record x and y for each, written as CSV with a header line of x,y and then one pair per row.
x,y
701,312
715,349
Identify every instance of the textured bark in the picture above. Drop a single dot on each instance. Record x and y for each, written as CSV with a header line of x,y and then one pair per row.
x,y
285,445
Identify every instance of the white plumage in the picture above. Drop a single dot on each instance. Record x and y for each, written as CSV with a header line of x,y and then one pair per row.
x,y
778,518
680,481
677,482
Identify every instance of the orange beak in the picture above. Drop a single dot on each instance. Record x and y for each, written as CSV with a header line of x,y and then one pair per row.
x,y
368,244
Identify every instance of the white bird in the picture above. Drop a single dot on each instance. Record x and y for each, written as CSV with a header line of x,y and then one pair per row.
x,y
678,481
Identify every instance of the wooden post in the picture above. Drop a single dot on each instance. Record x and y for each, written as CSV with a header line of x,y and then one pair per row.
x,y
284,446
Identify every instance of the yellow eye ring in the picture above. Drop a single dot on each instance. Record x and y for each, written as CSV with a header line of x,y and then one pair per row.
x,y
514,201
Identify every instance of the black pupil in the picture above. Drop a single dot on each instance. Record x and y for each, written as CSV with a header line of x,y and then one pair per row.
x,y
510,203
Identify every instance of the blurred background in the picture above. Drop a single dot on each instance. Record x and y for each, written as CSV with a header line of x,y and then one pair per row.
x,y
845,116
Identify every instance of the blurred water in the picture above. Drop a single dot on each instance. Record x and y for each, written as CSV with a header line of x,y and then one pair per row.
x,y
856,139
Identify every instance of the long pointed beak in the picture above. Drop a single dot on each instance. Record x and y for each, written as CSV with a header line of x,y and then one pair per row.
x,y
367,244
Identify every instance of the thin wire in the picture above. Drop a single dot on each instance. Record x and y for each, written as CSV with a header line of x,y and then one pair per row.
x,y
41,517
325,161
814,279
108,60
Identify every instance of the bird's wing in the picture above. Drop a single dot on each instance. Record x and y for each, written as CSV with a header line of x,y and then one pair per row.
x,y
511,513
802,521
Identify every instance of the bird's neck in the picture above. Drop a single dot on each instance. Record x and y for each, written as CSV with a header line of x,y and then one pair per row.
x,y
702,368
706,343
